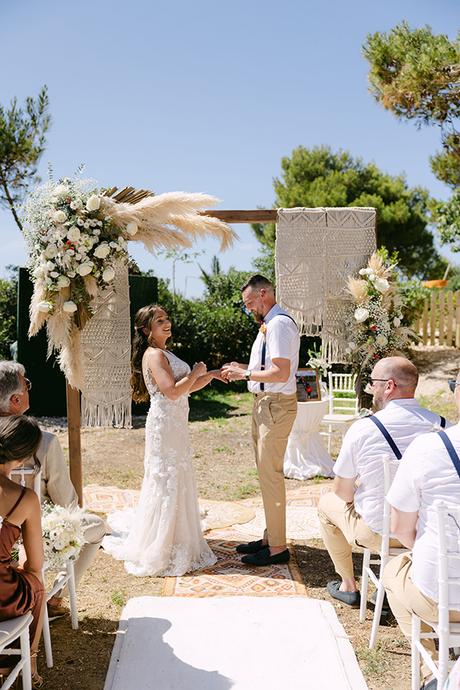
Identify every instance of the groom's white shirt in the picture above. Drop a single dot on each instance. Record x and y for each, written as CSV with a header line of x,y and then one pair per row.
x,y
282,341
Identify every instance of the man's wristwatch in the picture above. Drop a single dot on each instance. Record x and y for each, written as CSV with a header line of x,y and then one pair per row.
x,y
247,374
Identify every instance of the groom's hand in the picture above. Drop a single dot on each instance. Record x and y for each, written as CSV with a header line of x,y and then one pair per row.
x,y
233,372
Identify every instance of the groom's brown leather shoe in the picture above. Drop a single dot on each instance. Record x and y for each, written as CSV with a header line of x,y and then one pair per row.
x,y
251,547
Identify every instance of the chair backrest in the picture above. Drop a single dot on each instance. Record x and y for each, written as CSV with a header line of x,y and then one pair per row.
x,y
342,394
389,470
448,523
23,472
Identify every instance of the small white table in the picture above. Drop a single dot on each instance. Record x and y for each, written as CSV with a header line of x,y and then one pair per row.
x,y
306,455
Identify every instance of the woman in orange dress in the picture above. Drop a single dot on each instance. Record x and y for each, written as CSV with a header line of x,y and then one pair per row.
x,y
21,589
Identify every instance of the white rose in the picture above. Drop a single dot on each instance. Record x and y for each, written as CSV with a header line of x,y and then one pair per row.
x,y
361,314
86,224
63,281
54,274
50,266
108,274
44,307
60,190
93,203
80,221
73,234
382,284
381,340
71,274
102,250
69,307
50,251
114,245
396,322
132,228
85,269
59,217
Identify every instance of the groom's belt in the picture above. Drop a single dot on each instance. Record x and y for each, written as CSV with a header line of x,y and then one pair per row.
x,y
282,396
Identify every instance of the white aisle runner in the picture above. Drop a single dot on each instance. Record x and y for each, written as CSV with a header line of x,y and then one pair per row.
x,y
238,643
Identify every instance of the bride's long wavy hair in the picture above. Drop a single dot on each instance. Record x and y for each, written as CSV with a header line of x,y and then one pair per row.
x,y
142,326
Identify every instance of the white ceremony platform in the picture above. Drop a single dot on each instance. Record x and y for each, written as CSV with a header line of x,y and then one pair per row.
x,y
239,643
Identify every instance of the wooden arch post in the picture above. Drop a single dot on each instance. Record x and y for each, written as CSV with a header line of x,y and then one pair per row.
x,y
73,395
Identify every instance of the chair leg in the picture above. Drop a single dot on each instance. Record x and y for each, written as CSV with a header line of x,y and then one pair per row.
x,y
377,612
329,438
415,654
443,658
364,585
25,654
72,594
47,639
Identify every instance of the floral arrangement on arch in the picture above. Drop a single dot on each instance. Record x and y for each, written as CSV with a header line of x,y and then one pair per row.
x,y
63,535
375,326
77,236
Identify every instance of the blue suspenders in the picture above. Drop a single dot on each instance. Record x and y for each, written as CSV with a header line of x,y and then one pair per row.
x,y
264,349
393,445
451,450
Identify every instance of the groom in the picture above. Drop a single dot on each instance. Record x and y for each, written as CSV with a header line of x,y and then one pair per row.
x,y
271,379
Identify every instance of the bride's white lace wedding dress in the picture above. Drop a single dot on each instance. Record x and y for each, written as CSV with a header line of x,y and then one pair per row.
x,y
163,536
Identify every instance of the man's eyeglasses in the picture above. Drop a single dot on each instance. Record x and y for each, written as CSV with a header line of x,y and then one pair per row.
x,y
28,384
452,384
372,381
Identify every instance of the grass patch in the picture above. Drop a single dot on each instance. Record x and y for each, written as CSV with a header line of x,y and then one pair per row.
x,y
441,404
118,598
373,661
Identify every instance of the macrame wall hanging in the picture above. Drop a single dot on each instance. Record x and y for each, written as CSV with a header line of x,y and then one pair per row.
x,y
317,249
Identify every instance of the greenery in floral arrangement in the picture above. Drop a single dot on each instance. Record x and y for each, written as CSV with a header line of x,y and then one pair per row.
x,y
375,326
318,362
73,246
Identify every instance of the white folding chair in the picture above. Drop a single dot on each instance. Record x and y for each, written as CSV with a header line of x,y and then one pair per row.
x,y
343,405
389,468
67,577
10,631
448,528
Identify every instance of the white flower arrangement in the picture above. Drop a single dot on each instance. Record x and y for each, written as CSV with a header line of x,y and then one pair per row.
x,y
63,535
71,242
77,238
375,326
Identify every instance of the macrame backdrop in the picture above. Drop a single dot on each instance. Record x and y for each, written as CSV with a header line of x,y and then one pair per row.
x,y
316,250
106,354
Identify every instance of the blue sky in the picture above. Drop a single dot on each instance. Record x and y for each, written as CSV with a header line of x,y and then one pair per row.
x,y
208,96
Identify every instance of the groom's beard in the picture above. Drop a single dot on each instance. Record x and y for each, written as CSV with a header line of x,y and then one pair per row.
x,y
258,316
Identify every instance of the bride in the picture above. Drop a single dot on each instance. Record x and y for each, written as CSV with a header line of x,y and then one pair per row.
x,y
163,536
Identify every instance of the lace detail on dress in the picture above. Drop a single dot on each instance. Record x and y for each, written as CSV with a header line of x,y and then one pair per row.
x,y
163,536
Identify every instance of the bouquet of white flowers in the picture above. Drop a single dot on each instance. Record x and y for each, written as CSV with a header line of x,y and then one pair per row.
x,y
63,535
375,326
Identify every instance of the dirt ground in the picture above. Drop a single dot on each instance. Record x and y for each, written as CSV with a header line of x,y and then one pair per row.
x,y
220,431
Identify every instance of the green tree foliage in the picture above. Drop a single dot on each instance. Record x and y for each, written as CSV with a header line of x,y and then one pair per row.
x,y
22,141
320,177
416,75
8,311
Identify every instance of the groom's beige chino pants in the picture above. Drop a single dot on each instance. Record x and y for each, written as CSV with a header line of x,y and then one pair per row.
x,y
272,418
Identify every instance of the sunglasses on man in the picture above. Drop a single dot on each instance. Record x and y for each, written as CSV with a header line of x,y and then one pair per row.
x,y
452,384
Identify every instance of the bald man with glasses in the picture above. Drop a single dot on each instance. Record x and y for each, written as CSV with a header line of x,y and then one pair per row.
x,y
351,515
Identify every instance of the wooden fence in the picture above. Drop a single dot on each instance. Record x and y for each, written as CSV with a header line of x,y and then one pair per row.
x,y
439,323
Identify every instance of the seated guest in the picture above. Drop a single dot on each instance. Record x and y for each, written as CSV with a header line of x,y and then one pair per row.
x,y
426,474
351,515
56,483
21,589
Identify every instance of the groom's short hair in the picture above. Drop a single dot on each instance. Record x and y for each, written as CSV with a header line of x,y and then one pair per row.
x,y
256,282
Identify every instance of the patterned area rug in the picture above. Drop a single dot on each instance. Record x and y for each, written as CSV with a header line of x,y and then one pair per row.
x,y
230,524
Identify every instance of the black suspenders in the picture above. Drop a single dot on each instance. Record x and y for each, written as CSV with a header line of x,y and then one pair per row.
x,y
264,349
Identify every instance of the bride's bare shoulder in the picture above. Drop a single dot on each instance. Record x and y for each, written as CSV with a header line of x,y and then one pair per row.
x,y
155,356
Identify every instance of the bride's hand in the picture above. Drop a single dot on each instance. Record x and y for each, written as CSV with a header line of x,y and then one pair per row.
x,y
199,369
217,374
